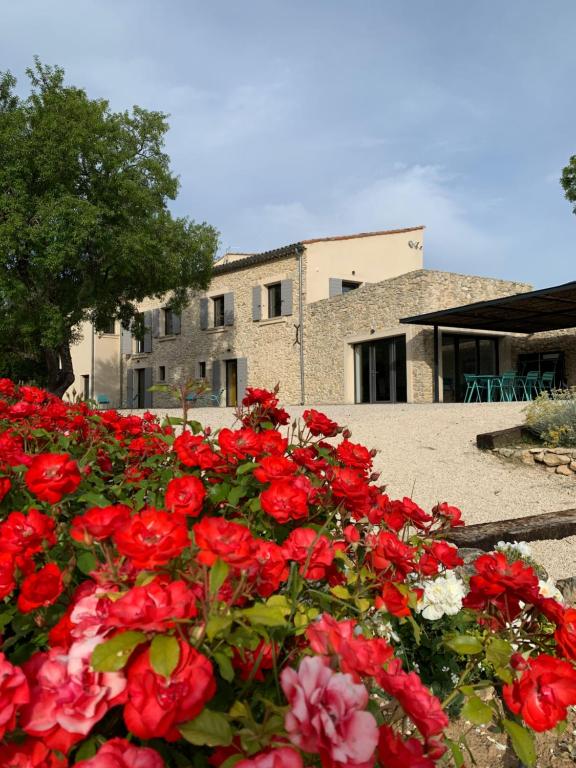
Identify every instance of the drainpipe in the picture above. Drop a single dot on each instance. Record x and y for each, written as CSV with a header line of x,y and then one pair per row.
x,y
436,367
301,322
92,363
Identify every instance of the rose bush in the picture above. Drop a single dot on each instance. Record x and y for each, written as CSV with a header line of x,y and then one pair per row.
x,y
249,598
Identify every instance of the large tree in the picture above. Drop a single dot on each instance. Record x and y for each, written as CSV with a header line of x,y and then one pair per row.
x,y
568,181
85,228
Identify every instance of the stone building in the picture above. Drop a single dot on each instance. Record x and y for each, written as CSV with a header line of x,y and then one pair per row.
x,y
321,317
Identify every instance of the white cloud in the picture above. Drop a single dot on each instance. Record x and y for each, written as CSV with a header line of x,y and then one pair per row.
x,y
406,197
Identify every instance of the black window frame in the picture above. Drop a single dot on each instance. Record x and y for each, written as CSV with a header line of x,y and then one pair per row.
x,y
161,373
111,325
168,321
274,291
350,285
201,369
218,311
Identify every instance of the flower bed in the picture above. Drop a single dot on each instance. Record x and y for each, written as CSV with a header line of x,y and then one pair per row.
x,y
249,598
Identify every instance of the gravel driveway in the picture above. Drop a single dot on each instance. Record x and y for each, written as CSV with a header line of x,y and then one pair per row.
x,y
428,452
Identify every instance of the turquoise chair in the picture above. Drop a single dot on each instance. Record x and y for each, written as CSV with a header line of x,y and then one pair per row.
x,y
547,381
531,385
474,388
103,401
508,386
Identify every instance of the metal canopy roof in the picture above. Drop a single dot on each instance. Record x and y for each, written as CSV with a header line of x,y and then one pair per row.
x,y
549,309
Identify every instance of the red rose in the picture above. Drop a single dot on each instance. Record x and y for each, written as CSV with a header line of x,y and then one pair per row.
x,y
31,753
565,634
421,706
120,753
220,538
152,538
274,468
13,693
543,692
304,545
391,555
185,495
7,388
7,582
24,535
308,457
40,589
393,752
393,600
240,443
99,523
284,501
52,476
5,485
193,451
349,486
284,757
272,442
253,664
156,704
452,515
152,608
319,424
354,455
269,568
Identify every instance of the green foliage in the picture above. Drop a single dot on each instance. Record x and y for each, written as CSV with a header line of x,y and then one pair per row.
x,y
553,417
85,228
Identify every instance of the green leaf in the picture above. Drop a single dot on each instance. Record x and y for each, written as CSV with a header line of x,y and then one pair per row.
x,y
498,652
341,592
465,645
476,711
195,426
164,654
232,760
224,666
86,562
210,729
456,753
248,466
219,493
86,750
522,742
218,574
216,625
112,655
236,493
265,615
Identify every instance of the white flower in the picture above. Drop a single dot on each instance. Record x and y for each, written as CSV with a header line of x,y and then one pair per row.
x,y
521,547
548,588
442,597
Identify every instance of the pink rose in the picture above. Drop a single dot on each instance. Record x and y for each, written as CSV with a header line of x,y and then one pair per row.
x,y
119,753
13,693
326,715
285,757
67,697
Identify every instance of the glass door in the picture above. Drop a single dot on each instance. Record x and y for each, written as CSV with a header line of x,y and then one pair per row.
x,y
380,371
462,355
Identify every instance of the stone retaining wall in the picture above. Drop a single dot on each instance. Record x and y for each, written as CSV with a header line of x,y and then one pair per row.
x,y
562,461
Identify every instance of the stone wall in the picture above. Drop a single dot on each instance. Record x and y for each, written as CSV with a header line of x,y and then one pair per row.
x,y
561,461
333,325
550,341
268,345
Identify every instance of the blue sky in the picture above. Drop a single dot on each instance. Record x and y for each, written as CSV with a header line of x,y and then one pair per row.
x,y
300,118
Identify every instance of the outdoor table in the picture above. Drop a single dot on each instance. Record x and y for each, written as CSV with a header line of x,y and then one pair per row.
x,y
490,382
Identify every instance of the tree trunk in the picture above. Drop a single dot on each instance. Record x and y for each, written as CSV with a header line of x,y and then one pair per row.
x,y
59,369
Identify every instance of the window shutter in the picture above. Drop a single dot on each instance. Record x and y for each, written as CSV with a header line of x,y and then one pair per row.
x,y
125,341
176,323
228,309
257,302
334,287
147,332
286,297
155,323
203,314
130,389
148,396
241,377
216,380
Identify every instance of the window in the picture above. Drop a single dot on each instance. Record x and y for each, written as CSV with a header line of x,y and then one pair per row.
x,y
349,285
218,302
168,322
109,326
86,387
202,369
162,373
139,346
274,300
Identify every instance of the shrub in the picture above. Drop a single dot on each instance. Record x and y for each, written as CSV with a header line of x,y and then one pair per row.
x,y
249,598
552,415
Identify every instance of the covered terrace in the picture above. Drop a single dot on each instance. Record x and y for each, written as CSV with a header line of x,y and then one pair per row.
x,y
547,309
